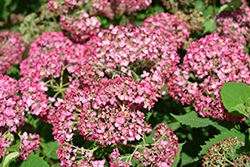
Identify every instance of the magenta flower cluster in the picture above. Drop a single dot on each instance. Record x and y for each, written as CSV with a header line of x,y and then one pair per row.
x,y
107,109
109,114
11,50
207,65
235,25
96,83
83,24
12,118
168,23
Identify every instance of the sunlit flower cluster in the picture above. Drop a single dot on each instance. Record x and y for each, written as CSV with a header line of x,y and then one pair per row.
x,y
142,54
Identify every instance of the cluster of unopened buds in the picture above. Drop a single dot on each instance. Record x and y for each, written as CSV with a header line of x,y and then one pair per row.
x,y
224,153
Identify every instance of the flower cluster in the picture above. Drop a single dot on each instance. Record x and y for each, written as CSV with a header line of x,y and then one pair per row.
x,y
57,6
81,26
108,109
11,50
50,56
68,157
235,25
138,53
224,154
168,23
29,143
12,111
108,114
207,65
82,23
161,153
12,118
225,1
194,20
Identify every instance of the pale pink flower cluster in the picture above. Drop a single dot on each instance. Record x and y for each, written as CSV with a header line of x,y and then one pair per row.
x,y
225,1
235,25
57,6
12,118
116,50
169,23
11,50
207,65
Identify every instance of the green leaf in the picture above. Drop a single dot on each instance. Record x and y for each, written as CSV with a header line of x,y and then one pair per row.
x,y
14,147
199,5
49,149
208,11
34,161
230,7
234,96
13,70
241,110
4,13
192,119
221,137
177,159
246,49
10,157
209,26
158,9
248,102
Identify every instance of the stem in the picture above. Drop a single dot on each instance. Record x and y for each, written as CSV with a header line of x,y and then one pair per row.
x,y
214,5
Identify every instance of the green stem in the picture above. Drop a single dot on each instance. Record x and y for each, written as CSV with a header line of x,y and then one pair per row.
x,y
214,5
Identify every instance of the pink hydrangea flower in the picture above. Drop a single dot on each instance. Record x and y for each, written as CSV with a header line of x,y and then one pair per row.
x,y
169,23
11,50
208,64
